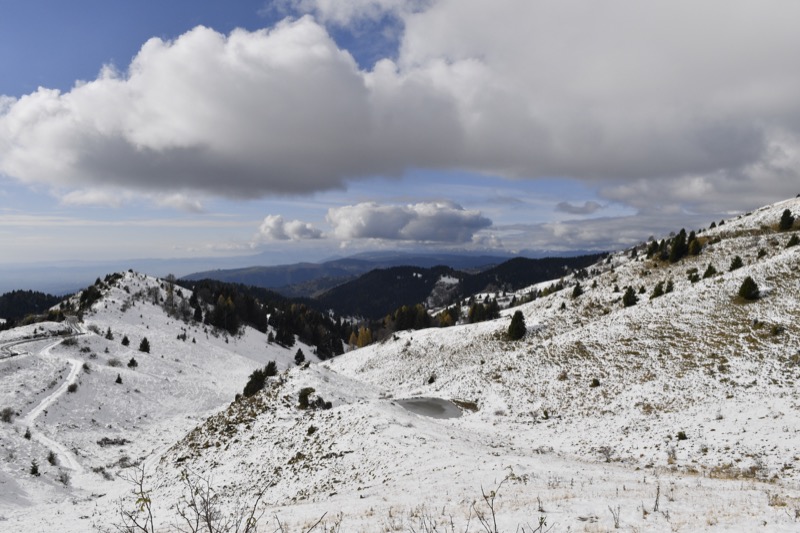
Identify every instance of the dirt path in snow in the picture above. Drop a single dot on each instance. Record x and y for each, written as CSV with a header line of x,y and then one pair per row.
x,y
66,458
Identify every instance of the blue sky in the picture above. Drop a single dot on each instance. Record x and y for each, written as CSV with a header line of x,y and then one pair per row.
x,y
310,128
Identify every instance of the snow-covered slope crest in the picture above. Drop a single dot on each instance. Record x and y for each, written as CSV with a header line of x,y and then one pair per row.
x,y
86,398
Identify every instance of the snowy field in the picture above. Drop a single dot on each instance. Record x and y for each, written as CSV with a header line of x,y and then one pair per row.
x,y
680,413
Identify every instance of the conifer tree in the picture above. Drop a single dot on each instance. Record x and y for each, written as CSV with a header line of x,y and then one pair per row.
x,y
629,298
749,289
119,380
125,341
144,346
517,329
736,263
710,271
787,221
299,357
658,290
679,247
577,291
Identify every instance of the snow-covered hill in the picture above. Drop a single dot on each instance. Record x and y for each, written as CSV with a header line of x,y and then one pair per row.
x,y
678,413
82,399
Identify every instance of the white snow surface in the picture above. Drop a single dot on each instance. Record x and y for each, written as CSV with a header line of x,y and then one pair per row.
x,y
692,425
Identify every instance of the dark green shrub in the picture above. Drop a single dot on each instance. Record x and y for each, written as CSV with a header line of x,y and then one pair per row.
x,y
133,363
736,263
710,271
118,380
73,387
34,468
595,383
258,379
125,341
144,346
793,241
27,434
682,435
7,415
52,459
303,396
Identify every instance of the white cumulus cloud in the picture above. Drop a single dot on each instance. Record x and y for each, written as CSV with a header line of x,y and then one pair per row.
x,y
640,100
444,222
275,228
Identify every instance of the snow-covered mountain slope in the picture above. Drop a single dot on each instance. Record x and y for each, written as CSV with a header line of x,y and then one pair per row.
x,y
678,413
82,399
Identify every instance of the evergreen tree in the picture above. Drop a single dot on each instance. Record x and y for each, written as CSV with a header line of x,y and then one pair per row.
x,y
694,245
125,341
144,346
109,335
793,241
118,380
34,468
749,289
670,286
517,329
133,363
658,290
679,247
629,298
299,357
736,263
710,271
577,291
787,221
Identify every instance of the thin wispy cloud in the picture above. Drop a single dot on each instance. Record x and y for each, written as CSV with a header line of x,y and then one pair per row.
x,y
587,208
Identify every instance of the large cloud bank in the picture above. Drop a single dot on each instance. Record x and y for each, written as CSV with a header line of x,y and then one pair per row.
x,y
671,102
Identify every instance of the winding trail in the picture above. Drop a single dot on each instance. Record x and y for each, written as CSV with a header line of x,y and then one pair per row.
x,y
66,458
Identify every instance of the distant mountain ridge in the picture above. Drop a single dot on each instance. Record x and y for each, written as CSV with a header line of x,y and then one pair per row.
x,y
381,291
310,279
